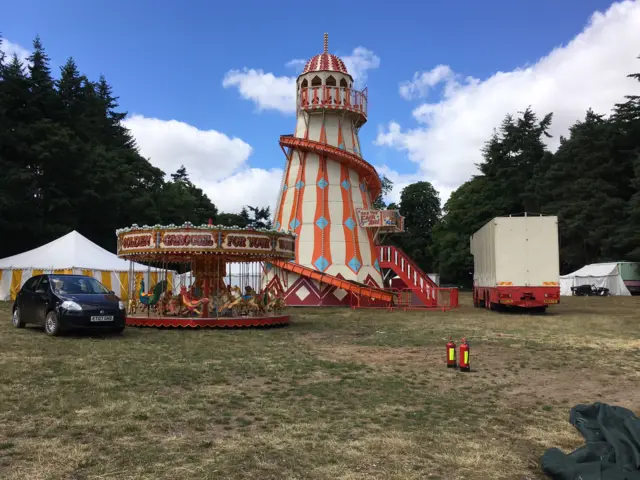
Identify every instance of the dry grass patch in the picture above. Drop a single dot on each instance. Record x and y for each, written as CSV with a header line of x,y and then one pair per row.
x,y
339,394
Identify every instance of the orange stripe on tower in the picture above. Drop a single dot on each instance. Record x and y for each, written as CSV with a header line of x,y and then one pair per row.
x,y
356,148
283,197
346,214
353,259
295,220
367,205
322,220
341,144
286,183
356,240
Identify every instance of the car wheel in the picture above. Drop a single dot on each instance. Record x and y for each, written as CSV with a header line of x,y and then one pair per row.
x,y
52,324
119,330
16,319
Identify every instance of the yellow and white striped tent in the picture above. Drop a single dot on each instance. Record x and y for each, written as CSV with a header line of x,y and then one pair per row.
x,y
74,253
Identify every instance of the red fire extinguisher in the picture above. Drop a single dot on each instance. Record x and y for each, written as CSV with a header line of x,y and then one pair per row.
x,y
465,366
451,354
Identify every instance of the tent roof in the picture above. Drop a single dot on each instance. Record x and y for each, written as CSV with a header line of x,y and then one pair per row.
x,y
69,251
595,270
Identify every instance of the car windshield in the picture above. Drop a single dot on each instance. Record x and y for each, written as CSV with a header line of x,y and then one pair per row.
x,y
77,286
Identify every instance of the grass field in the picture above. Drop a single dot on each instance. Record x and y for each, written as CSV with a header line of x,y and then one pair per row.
x,y
338,394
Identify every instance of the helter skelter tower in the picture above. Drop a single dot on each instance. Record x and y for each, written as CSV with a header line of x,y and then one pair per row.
x,y
327,190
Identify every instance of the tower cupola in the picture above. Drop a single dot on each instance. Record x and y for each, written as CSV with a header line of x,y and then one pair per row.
x,y
325,84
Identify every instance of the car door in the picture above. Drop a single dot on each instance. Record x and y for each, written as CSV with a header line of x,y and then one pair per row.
x,y
26,299
41,299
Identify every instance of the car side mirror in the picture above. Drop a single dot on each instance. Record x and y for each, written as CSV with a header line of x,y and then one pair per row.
x,y
112,292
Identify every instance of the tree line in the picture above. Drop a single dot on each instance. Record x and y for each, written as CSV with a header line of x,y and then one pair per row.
x,y
592,183
68,163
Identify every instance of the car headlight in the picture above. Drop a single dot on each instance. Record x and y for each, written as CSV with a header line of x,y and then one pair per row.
x,y
121,305
71,306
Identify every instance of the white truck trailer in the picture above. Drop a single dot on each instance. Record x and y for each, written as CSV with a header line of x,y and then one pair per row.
x,y
516,262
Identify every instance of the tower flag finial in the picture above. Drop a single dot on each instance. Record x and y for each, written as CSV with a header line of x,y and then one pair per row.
x,y
326,43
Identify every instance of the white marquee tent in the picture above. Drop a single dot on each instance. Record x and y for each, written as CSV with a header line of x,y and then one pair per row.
x,y
73,253
605,275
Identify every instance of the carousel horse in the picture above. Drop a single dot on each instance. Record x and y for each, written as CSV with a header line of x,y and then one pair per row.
x,y
255,300
148,300
275,302
169,303
222,301
244,303
132,306
191,304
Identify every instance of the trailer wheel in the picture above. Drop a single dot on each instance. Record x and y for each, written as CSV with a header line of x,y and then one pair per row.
x,y
476,302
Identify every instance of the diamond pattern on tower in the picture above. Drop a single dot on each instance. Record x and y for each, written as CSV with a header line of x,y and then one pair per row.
x,y
295,223
340,293
345,184
284,188
342,147
302,293
267,267
278,225
321,263
299,184
322,183
355,264
363,187
350,223
322,222
376,265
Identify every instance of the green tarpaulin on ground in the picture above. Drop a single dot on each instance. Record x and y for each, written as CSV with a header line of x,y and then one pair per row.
x,y
611,451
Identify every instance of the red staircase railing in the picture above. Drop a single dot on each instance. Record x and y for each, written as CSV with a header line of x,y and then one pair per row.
x,y
420,284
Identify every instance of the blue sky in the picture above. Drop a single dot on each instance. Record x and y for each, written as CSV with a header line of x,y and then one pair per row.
x,y
168,62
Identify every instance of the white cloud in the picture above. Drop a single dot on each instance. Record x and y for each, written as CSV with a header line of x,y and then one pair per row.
x,y
266,90
205,153
297,64
215,162
270,92
359,63
589,71
250,186
421,83
11,49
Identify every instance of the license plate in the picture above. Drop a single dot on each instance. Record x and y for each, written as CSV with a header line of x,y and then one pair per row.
x,y
550,301
104,318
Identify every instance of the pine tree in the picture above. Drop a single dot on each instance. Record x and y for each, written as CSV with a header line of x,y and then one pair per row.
x,y
626,123
20,169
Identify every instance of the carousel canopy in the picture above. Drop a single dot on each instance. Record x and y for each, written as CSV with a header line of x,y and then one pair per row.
x,y
72,251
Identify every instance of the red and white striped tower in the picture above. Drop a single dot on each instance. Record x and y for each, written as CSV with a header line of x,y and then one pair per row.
x,y
326,182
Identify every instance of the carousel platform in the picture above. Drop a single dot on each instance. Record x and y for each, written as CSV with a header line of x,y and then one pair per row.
x,y
195,322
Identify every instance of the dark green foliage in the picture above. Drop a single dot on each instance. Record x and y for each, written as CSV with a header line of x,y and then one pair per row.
x,y
387,185
68,162
420,206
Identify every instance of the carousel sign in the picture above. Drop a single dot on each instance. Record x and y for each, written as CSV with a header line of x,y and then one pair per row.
x,y
248,242
137,241
187,239
285,245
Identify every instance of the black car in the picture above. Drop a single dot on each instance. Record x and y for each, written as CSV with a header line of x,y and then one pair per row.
x,y
61,302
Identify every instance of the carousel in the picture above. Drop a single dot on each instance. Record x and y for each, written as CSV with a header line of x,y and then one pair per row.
x,y
203,276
